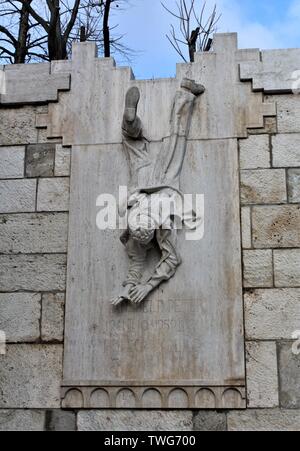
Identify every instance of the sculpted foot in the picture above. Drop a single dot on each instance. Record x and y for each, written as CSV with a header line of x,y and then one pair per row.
x,y
131,104
193,87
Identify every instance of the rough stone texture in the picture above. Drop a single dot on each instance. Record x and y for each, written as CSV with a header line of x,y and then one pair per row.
x,y
17,126
62,161
289,373
288,112
20,316
276,226
272,314
210,422
17,196
40,160
262,375
22,420
53,194
32,273
12,162
273,420
258,268
270,125
266,186
31,376
53,317
246,228
45,233
134,421
294,185
286,150
255,152
60,421
287,268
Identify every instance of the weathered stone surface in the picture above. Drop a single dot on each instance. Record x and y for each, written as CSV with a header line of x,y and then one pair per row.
x,y
134,421
255,152
22,420
276,226
53,308
53,194
31,376
288,112
294,185
270,125
271,420
262,374
62,161
266,186
40,160
17,196
272,314
258,268
20,315
210,422
45,233
286,150
12,162
289,373
32,273
17,126
246,228
60,421
287,268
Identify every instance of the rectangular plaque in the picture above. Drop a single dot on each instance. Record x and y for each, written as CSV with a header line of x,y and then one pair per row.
x,y
184,346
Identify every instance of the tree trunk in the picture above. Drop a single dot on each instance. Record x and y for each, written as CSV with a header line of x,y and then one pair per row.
x,y
106,31
21,47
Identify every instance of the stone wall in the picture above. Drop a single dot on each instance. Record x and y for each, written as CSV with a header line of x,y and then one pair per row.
x,y
34,204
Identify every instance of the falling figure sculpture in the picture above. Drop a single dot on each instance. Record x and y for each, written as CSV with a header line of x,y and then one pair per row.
x,y
152,183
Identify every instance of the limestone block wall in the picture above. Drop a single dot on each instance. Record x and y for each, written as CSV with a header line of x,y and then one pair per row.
x,y
34,204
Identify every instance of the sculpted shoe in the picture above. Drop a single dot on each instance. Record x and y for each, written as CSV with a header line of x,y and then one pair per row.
x,y
193,87
131,104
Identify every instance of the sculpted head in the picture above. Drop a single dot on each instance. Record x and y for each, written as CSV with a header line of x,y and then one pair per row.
x,y
141,227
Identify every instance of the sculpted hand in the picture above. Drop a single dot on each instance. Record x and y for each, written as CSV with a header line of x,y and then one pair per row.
x,y
139,293
124,296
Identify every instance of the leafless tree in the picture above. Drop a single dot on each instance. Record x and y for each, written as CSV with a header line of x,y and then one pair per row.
x,y
44,30
196,27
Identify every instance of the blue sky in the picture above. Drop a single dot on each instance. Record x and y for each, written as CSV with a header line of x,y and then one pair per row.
x,y
260,23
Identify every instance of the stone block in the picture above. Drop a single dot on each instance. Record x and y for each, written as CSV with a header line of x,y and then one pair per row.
x,y
17,196
262,374
20,315
258,268
53,194
269,420
17,126
286,150
207,421
272,314
32,273
294,185
60,421
246,228
22,420
12,162
44,232
128,420
62,161
287,268
288,113
255,152
53,308
266,186
31,376
40,160
289,373
276,226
